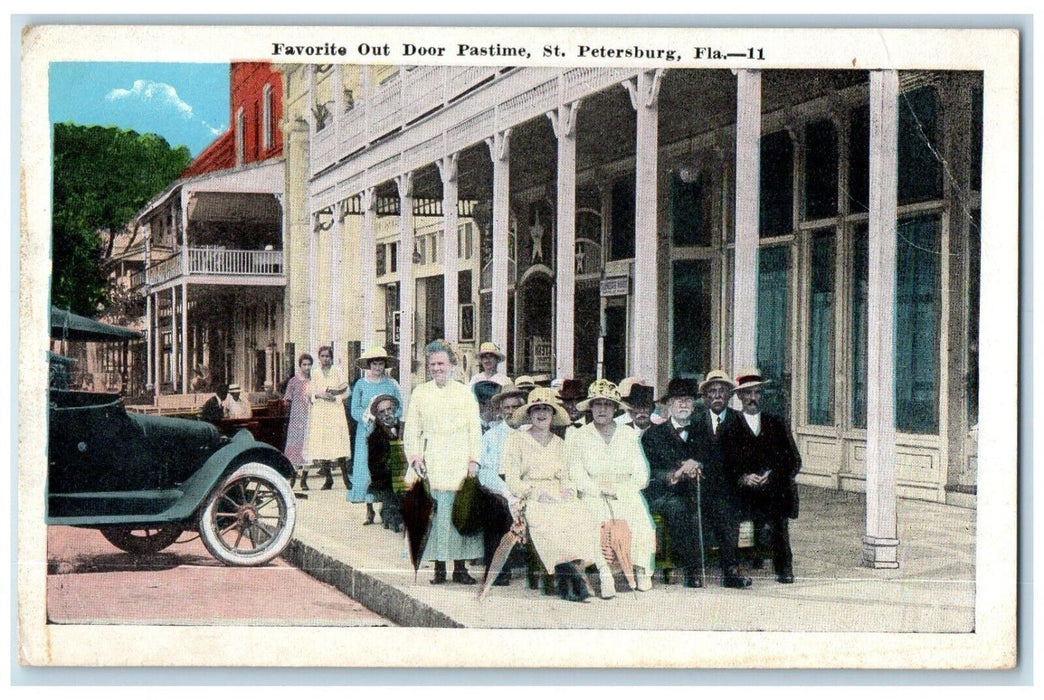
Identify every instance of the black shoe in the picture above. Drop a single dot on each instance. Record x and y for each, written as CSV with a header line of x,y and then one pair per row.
x,y
461,576
440,573
785,576
304,480
733,579
579,585
562,576
692,579
504,579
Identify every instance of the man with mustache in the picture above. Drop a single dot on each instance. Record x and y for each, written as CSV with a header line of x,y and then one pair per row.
x,y
762,461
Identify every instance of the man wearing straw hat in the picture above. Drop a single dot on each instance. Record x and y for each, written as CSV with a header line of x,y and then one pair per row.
x,y
762,461
489,358
238,407
720,512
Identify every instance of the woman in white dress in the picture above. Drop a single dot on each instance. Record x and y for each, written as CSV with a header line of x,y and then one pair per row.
x,y
609,469
561,529
328,443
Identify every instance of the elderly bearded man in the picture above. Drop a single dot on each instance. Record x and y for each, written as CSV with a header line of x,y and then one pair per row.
x,y
761,460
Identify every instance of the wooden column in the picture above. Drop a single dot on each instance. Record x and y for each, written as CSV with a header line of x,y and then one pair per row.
x,y
448,171
879,543
368,264
499,151
563,121
407,291
748,192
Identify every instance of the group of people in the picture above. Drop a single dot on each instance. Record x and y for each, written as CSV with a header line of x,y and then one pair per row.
x,y
227,402
577,473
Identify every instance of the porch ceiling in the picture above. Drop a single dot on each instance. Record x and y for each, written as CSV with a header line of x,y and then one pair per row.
x,y
239,207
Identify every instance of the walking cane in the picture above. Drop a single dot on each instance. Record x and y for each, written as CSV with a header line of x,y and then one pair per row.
x,y
699,528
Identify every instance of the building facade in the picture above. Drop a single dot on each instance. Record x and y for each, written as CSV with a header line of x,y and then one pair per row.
x,y
823,225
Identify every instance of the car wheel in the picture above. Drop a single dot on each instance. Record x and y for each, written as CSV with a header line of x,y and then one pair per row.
x,y
249,517
142,540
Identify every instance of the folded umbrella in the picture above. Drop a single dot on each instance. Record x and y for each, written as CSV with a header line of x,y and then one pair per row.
x,y
499,558
418,511
616,545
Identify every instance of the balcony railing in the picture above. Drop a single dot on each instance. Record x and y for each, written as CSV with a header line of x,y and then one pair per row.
x,y
217,261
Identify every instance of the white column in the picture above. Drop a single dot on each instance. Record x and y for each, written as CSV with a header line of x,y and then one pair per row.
x,y
879,543
748,197
563,121
644,90
368,264
336,280
149,337
184,338
407,290
499,151
313,281
448,170
175,346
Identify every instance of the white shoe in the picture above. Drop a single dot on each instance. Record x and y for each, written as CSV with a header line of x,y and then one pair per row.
x,y
606,583
642,579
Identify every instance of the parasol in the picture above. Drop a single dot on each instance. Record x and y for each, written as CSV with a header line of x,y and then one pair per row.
x,y
500,556
418,510
616,545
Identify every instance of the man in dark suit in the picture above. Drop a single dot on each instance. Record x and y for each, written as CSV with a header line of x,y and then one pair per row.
x,y
720,512
673,470
214,409
762,461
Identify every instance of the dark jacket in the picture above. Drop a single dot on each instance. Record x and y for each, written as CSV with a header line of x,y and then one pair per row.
x,y
386,458
709,454
665,451
212,410
772,451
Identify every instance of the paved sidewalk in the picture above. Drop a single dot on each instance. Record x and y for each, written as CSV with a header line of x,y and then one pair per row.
x,y
932,591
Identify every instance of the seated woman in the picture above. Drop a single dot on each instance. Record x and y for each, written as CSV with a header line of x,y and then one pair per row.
x,y
609,469
561,529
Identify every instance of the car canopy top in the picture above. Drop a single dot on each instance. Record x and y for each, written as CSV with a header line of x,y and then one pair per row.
x,y
66,325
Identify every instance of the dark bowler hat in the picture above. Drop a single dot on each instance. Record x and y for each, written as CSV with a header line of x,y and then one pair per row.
x,y
484,391
640,395
571,390
680,386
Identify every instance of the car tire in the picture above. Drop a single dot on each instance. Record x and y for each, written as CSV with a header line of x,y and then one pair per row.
x,y
142,540
249,517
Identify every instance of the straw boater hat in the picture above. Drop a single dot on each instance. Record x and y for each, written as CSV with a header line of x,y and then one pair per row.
x,y
750,378
377,353
719,376
234,389
506,390
571,390
488,348
542,396
680,386
525,382
601,389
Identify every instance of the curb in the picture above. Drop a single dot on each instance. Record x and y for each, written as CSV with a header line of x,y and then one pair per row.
x,y
380,597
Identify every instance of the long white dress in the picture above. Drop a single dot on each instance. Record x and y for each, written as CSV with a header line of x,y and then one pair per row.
x,y
562,530
601,470
328,436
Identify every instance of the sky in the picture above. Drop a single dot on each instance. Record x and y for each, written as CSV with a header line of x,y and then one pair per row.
x,y
185,103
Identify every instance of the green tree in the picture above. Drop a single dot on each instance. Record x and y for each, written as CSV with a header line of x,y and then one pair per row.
x,y
102,177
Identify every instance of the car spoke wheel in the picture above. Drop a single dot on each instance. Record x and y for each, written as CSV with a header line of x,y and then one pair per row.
x,y
249,517
141,539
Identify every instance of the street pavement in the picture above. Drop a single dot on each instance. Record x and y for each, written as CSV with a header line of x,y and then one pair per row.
x,y
933,590
89,581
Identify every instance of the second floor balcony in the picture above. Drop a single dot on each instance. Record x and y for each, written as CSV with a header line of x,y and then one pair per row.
x,y
218,265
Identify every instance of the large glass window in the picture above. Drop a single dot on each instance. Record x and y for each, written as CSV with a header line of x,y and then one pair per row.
x,y
773,325
859,159
974,251
920,176
860,276
777,185
691,309
917,305
622,245
821,331
976,139
689,216
820,169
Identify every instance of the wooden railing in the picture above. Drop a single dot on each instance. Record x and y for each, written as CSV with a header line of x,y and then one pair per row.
x,y
216,261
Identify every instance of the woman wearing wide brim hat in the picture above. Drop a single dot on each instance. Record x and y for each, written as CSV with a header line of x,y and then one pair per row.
x,y
562,531
610,470
375,381
541,396
377,353
489,358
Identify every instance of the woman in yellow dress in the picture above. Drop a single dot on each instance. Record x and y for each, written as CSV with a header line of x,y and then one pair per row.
x,y
328,443
561,529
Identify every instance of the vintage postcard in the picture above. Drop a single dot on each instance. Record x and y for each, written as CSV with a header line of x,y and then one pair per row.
x,y
518,347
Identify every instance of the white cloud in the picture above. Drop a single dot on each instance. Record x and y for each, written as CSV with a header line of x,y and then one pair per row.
x,y
158,93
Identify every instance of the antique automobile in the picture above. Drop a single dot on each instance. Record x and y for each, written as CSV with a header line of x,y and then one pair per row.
x,y
143,480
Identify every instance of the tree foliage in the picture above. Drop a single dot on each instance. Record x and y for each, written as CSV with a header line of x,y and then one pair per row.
x,y
102,177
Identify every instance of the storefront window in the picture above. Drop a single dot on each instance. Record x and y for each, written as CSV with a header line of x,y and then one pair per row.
x,y
821,331
860,276
974,251
691,318
689,216
859,159
820,169
777,185
622,224
920,176
773,326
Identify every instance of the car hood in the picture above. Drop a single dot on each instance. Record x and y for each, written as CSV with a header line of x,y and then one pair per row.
x,y
180,434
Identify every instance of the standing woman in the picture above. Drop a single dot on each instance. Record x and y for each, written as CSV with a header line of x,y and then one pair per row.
x,y
609,469
328,441
374,382
562,530
296,397
442,439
